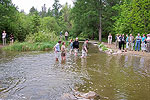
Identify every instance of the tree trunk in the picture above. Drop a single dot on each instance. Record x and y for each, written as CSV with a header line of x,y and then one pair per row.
x,y
100,30
100,22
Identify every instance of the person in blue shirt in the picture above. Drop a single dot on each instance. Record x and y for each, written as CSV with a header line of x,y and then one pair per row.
x,y
143,45
57,50
71,46
61,34
138,42
127,42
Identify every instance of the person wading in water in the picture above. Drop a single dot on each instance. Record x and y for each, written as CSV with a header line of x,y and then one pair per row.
x,y
76,46
85,49
57,50
63,51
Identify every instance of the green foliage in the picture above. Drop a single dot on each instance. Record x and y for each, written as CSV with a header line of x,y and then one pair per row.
x,y
50,24
7,16
86,16
103,47
83,20
134,17
42,36
64,20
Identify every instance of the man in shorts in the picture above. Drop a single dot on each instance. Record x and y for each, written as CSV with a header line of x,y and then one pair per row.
x,y
85,49
57,50
76,46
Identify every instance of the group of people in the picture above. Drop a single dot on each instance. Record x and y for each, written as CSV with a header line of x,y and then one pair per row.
x,y
74,49
141,43
4,36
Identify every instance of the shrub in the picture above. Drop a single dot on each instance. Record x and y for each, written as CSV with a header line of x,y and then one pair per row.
x,y
42,36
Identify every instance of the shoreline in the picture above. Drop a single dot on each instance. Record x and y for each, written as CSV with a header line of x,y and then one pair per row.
x,y
121,52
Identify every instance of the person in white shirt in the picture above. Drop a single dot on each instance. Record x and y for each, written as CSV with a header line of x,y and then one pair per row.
x,y
66,36
109,38
4,37
57,50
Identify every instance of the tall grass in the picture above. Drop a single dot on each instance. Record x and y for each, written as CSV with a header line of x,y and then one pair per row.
x,y
26,46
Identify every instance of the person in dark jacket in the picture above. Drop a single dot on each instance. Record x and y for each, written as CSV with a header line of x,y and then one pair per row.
x,y
123,41
120,41
76,46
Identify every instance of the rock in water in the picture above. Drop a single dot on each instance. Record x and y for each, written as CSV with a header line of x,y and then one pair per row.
x,y
80,96
68,96
89,95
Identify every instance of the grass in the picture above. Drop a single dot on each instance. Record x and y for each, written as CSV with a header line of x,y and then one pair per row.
x,y
103,47
26,46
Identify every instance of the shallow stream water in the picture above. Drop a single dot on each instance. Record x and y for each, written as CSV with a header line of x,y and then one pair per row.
x,y
37,76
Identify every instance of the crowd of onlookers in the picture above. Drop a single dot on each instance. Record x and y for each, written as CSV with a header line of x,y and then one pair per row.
x,y
4,37
129,42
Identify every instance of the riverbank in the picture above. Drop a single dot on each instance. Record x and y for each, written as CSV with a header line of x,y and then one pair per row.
x,y
26,46
121,52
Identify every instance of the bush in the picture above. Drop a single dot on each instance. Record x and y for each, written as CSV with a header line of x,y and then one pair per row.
x,y
42,36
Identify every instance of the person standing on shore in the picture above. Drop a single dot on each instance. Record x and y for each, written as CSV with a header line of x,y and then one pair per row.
x,y
143,44
109,38
138,42
57,50
148,43
123,41
116,41
131,42
127,42
4,37
66,36
76,46
85,49
63,52
11,39
120,41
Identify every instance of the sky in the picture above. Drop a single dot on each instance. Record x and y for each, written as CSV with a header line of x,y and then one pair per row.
x,y
27,4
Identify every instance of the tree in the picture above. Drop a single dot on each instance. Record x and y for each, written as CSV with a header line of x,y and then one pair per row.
x,y
32,11
36,23
133,17
49,13
43,12
7,16
93,18
56,8
64,19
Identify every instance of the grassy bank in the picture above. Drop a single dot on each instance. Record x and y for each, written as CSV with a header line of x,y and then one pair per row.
x,y
26,46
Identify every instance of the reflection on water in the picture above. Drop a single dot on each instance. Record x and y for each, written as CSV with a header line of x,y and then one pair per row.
x,y
37,76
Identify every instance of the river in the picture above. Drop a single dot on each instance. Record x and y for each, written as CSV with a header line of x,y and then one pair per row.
x,y
37,76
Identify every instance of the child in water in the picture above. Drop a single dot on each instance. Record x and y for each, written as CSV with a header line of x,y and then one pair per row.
x,y
63,51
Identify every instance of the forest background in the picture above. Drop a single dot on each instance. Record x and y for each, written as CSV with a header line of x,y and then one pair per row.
x,y
93,19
